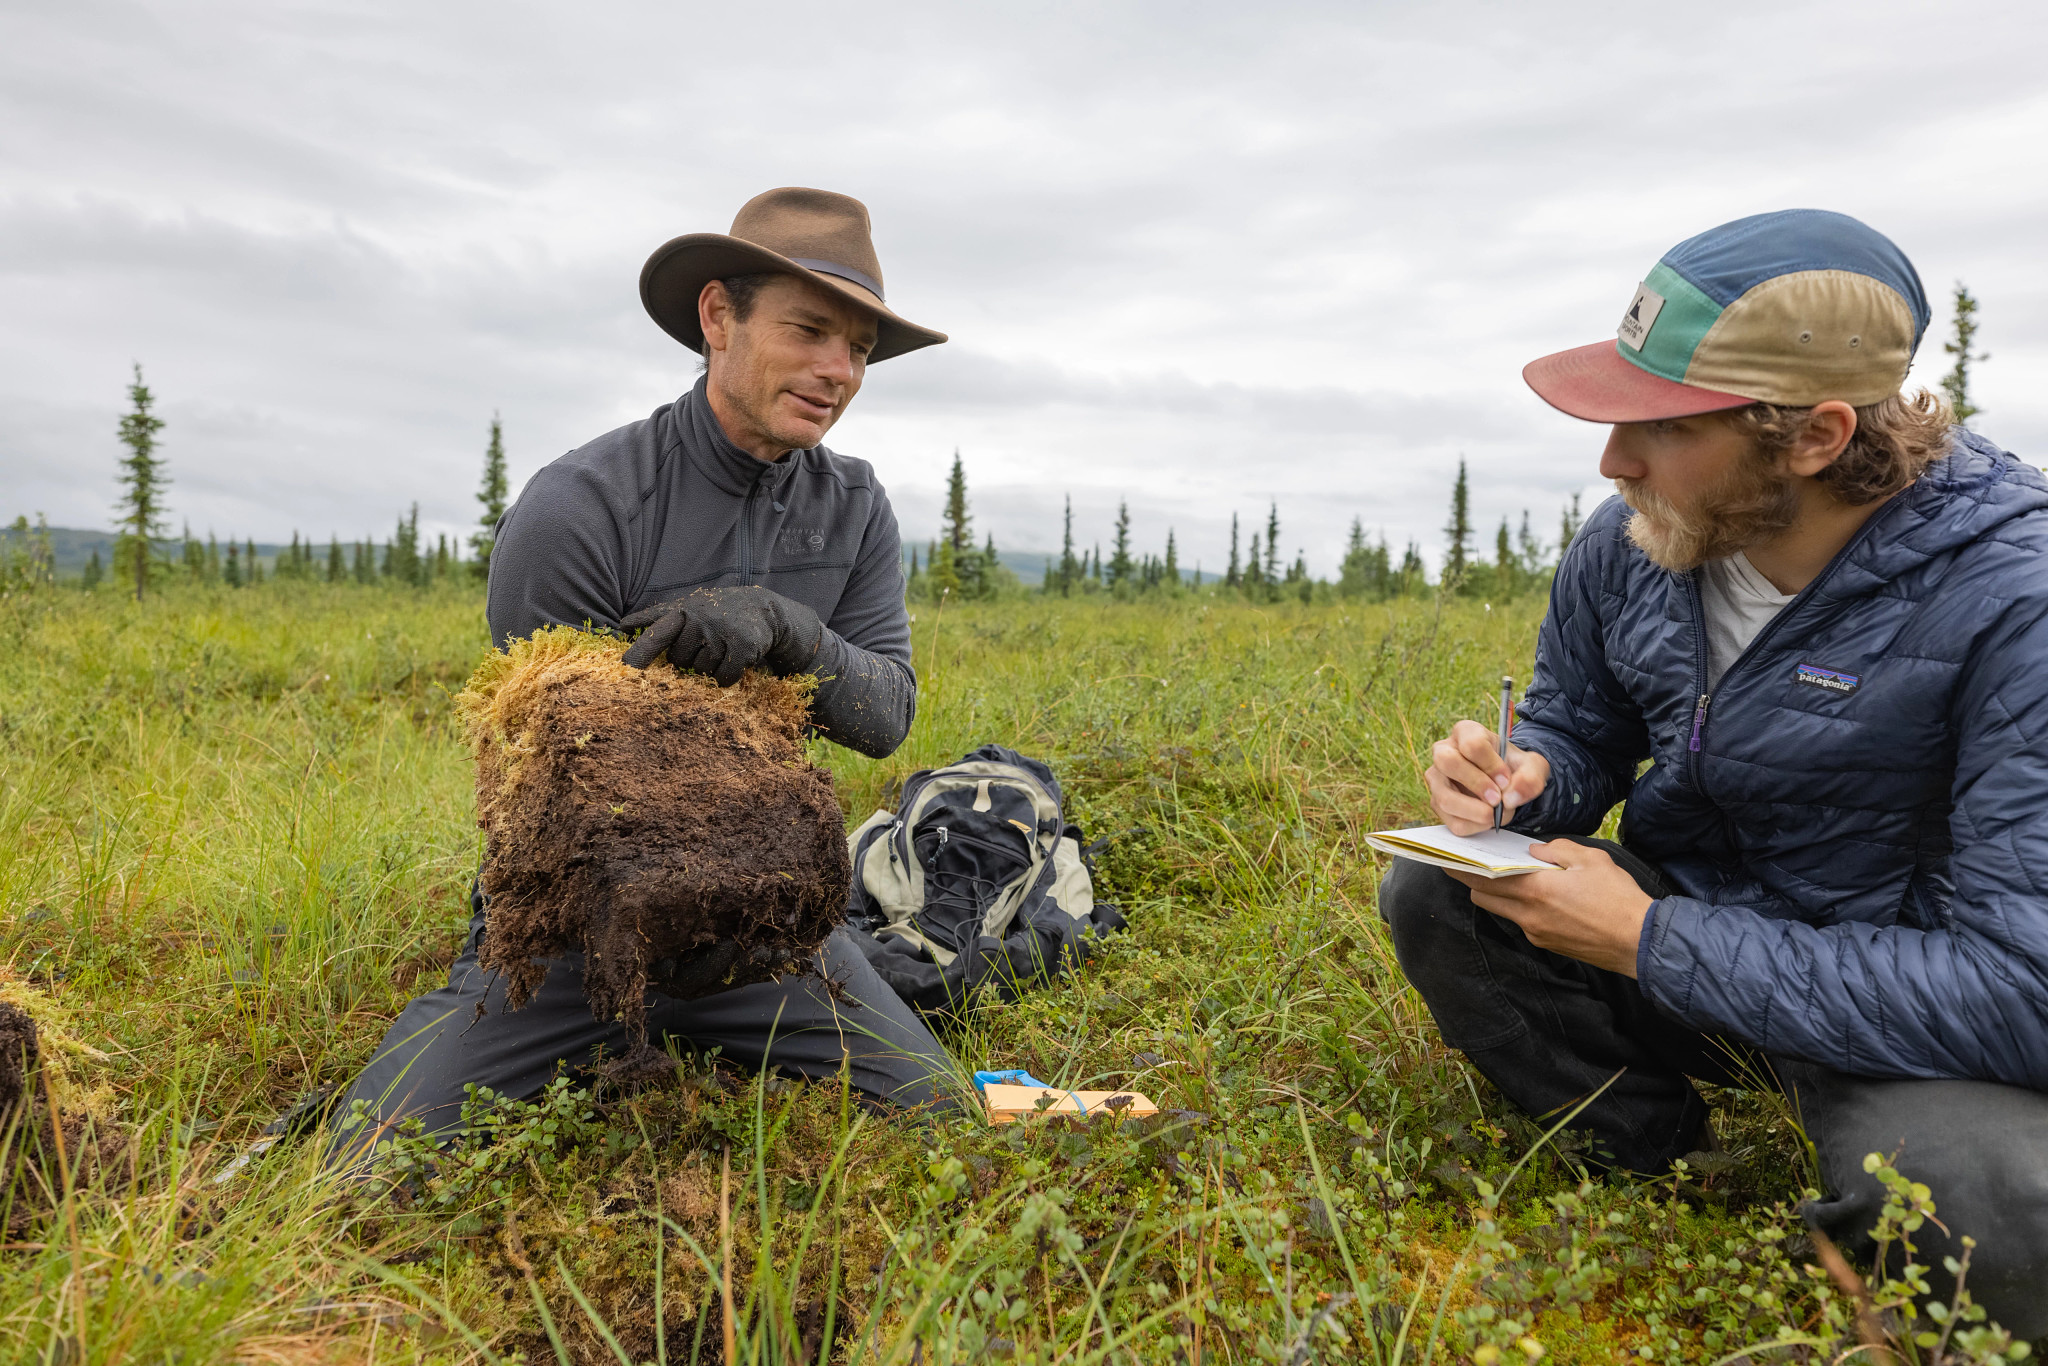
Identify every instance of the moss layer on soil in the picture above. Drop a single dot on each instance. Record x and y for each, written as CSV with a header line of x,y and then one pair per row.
x,y
641,815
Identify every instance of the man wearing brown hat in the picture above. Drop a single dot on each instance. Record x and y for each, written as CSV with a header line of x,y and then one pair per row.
x,y
725,531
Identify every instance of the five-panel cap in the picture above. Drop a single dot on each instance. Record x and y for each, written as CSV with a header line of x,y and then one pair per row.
x,y
1795,308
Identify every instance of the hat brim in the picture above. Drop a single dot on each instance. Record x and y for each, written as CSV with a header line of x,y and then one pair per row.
x,y
1595,383
675,275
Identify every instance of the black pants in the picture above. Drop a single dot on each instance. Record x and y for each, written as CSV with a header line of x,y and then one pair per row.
x,y
1548,1030
441,1041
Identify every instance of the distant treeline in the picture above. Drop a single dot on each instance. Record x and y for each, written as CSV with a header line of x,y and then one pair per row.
x,y
32,555
138,553
1522,562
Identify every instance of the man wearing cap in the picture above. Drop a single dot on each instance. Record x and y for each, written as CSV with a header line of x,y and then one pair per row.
x,y
724,527
1820,613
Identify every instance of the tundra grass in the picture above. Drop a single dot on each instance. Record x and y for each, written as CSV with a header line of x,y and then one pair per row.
x,y
236,831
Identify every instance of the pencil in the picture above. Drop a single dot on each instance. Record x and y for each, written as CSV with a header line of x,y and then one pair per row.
x,y
1507,721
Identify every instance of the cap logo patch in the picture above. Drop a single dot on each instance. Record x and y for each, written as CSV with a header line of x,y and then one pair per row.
x,y
1829,680
1641,316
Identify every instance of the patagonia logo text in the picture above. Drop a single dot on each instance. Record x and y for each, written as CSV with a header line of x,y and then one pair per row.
x,y
1814,676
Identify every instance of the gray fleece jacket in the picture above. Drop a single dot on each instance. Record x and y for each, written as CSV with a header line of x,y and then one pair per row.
x,y
649,511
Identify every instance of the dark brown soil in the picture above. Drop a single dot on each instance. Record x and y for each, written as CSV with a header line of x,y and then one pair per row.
x,y
32,1173
642,815
19,1050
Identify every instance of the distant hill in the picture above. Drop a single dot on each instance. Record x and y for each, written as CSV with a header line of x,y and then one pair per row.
x,y
74,548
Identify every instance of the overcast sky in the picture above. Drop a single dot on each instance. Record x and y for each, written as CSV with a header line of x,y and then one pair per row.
x,y
1197,256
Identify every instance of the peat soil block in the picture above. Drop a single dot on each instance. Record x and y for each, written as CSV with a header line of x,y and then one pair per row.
x,y
662,825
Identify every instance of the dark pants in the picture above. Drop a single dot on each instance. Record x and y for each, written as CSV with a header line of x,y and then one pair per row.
x,y
1548,1031
440,1041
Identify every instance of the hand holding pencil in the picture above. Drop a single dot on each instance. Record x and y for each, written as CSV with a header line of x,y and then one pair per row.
x,y
1477,778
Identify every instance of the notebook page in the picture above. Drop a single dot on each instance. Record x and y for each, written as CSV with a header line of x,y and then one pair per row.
x,y
1495,850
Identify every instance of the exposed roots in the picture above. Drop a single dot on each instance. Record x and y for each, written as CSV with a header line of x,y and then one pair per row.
x,y
646,815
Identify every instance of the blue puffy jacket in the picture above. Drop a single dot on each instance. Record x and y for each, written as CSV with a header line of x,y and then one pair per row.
x,y
1858,815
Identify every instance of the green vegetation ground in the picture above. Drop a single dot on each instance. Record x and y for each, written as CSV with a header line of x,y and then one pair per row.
x,y
235,835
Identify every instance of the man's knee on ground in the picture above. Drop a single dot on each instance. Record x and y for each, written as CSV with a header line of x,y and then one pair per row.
x,y
1421,903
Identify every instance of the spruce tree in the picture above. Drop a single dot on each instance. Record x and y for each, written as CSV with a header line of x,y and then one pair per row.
x,y
1070,568
958,525
252,570
953,567
232,573
94,571
1354,574
1273,545
1120,558
402,559
193,556
1171,569
1254,573
336,569
1414,577
492,494
1458,532
1530,553
143,482
212,559
1504,562
1231,574
1568,528
1956,383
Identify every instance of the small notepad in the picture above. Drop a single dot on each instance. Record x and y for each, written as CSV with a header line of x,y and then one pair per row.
x,y
1490,853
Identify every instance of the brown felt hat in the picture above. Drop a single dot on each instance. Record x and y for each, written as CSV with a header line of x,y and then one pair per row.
x,y
815,234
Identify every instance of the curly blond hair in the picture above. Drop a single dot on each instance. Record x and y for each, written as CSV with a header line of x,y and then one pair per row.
x,y
1896,440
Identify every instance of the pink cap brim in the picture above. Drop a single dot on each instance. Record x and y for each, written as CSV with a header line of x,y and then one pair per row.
x,y
1595,383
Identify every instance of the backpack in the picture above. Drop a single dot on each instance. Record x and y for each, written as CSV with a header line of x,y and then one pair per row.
x,y
975,880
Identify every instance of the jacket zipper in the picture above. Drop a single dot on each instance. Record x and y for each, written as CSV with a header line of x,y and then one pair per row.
x,y
1757,642
746,540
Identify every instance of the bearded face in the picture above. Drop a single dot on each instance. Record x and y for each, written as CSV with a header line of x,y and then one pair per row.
x,y
1752,502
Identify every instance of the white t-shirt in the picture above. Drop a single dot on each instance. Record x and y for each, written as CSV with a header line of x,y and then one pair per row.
x,y
1738,602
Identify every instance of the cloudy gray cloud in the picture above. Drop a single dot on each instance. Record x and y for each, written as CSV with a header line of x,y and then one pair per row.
x,y
1197,257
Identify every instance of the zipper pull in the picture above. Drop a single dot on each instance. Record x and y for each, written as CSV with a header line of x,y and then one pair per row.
x,y
1699,719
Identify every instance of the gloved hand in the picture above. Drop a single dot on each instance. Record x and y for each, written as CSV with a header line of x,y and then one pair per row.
x,y
725,631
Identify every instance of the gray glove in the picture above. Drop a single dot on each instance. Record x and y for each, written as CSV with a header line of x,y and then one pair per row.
x,y
724,632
